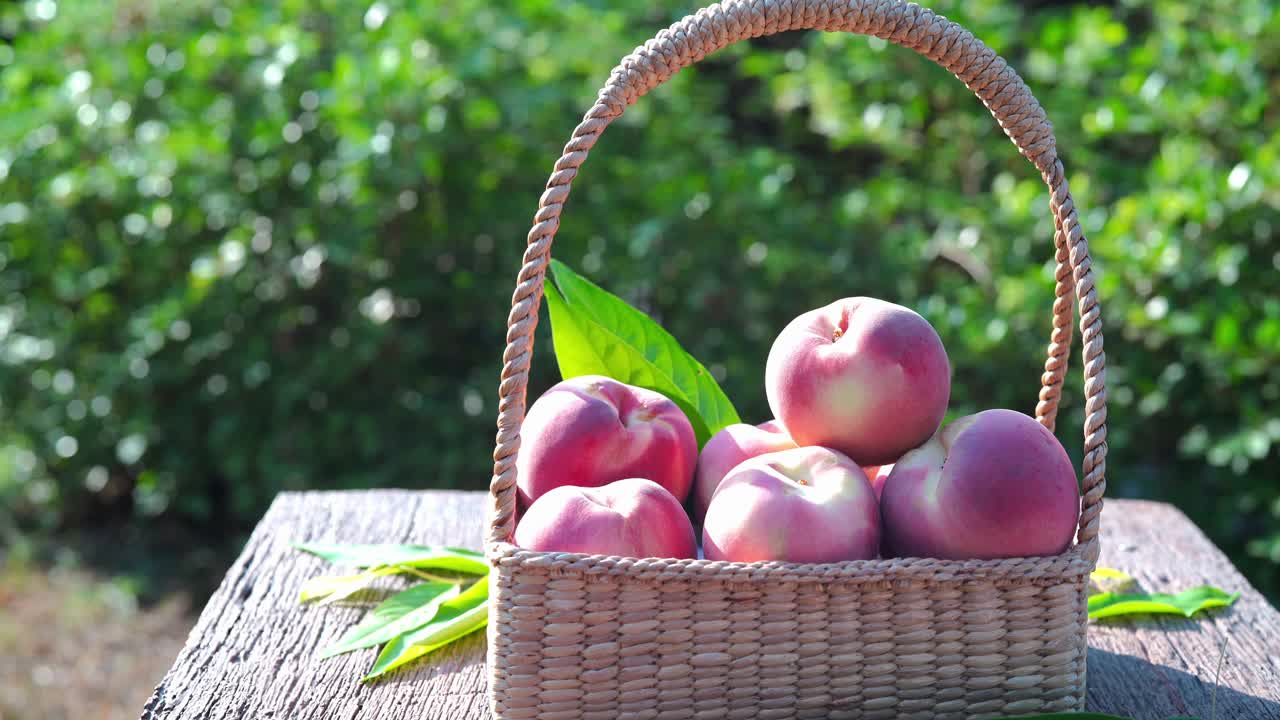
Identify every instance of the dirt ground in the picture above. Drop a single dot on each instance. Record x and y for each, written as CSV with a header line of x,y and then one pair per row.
x,y
75,645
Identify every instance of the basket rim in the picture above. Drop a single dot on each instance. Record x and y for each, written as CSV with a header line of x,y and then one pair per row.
x,y
1042,570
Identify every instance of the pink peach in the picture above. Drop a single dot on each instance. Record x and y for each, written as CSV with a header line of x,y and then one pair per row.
x,y
725,450
878,474
633,517
809,505
773,426
863,376
591,430
996,484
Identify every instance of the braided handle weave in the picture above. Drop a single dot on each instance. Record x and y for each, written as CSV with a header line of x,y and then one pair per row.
x,y
906,24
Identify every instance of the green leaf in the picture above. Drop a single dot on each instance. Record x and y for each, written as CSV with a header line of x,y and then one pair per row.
x,y
1105,579
1185,603
415,556
597,333
400,613
1075,716
1106,573
454,619
340,587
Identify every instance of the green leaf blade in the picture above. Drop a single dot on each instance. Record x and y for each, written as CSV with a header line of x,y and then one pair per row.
x,y
597,333
415,556
454,619
1112,574
331,589
1072,716
403,612
1186,603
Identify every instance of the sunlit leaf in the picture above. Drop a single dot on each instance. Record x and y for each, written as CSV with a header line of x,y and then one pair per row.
x,y
400,613
1077,716
414,556
331,589
1106,573
1186,603
1105,579
455,619
597,333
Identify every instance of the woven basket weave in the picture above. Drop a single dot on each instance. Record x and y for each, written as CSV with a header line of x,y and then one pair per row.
x,y
590,636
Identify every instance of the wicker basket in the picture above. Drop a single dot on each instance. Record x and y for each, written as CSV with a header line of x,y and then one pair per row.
x,y
590,636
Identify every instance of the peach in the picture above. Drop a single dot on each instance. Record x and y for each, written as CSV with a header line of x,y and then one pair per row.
x,y
773,426
877,474
992,485
809,504
633,517
726,449
591,430
863,376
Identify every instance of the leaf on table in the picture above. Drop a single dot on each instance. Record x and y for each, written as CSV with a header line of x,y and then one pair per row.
x,y
422,557
332,588
597,333
1105,579
1075,716
454,619
405,611
1106,573
1186,603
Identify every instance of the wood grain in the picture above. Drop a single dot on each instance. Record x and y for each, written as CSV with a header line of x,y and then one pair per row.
x,y
253,652
1162,666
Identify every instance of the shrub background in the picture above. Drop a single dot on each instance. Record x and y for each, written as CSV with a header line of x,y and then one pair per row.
x,y
250,247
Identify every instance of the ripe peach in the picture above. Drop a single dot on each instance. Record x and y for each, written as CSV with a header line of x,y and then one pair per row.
x,y
630,518
877,474
863,376
726,449
773,426
592,430
992,485
807,504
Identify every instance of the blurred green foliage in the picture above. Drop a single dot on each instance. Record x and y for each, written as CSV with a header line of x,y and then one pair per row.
x,y
248,247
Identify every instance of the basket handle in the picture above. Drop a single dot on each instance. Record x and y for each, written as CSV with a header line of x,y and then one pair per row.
x,y
906,24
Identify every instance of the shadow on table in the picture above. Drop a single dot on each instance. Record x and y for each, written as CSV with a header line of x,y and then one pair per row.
x,y
1134,688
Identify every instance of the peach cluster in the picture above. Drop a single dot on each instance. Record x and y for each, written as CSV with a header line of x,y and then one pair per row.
x,y
854,466
603,469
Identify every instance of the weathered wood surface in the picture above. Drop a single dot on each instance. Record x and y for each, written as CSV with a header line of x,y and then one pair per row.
x,y
1158,667
252,655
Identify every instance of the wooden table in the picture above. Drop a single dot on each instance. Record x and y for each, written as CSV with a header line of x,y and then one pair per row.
x,y
252,653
